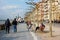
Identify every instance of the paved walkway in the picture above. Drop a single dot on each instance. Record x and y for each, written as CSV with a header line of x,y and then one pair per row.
x,y
46,34
22,34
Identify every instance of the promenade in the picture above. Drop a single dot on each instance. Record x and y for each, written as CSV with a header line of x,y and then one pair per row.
x,y
21,34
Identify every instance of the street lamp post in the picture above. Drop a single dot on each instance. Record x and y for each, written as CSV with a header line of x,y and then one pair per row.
x,y
50,18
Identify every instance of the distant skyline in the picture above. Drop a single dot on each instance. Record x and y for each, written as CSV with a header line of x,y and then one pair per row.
x,y
11,8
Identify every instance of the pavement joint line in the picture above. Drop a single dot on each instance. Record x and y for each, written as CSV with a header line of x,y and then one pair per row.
x,y
33,35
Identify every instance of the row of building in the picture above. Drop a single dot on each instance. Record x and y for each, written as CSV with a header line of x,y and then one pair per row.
x,y
41,12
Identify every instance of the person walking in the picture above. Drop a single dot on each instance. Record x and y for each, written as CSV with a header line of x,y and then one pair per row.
x,y
29,24
41,27
15,25
7,25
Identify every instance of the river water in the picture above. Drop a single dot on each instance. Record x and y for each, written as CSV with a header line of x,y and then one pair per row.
x,y
2,22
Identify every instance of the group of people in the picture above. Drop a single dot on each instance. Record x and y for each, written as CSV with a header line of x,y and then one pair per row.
x,y
14,23
8,24
41,27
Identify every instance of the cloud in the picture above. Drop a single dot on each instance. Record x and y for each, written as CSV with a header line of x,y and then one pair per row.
x,y
9,7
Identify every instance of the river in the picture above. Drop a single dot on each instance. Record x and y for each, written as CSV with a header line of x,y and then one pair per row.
x,y
2,22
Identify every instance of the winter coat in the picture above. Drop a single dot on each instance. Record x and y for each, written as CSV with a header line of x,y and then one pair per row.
x,y
7,23
14,22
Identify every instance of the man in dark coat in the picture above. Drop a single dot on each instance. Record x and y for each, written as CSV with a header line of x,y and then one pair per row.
x,y
7,25
15,25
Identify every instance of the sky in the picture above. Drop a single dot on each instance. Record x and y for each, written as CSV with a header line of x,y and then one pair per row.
x,y
12,8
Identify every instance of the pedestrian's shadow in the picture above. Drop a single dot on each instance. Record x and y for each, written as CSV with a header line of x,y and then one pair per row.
x,y
45,31
22,31
42,31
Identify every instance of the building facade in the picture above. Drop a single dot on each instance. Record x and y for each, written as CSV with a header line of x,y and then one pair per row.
x,y
55,10
42,11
